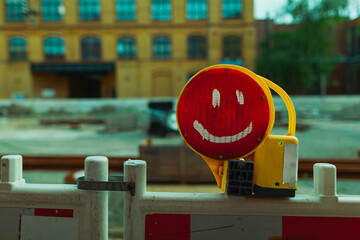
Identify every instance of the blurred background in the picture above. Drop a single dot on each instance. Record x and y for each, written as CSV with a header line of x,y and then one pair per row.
x,y
102,77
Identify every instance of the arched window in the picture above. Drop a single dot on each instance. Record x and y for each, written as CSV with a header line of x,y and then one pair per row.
x,y
232,48
196,9
161,10
232,8
126,48
17,49
91,48
54,48
161,47
196,47
15,10
51,10
89,10
125,10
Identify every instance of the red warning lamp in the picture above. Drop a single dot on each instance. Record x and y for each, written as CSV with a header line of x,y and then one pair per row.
x,y
225,112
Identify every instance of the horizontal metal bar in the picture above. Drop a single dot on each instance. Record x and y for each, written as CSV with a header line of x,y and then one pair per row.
x,y
115,183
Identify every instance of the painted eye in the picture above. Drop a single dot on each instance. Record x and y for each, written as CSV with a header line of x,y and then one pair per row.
x,y
240,97
216,98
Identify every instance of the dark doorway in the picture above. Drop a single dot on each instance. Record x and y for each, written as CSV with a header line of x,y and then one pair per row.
x,y
84,87
85,80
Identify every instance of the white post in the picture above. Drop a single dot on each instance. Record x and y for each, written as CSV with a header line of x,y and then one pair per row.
x,y
97,169
134,222
12,169
324,180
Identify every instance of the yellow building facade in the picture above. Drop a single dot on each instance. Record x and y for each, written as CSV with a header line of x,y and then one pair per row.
x,y
158,61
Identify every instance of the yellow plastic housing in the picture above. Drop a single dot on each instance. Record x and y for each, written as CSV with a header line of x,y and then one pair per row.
x,y
269,163
270,160
270,157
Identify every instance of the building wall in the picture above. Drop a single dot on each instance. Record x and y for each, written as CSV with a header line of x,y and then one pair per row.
x,y
141,77
50,81
19,79
4,88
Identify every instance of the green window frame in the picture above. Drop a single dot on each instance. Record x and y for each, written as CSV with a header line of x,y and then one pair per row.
x,y
126,48
16,10
91,48
54,48
232,8
51,10
161,47
89,10
197,48
125,10
18,49
161,10
232,48
196,9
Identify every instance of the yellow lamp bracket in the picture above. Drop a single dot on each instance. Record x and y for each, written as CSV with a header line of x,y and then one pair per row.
x,y
272,166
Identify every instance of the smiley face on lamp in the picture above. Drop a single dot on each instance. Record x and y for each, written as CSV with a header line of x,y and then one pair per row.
x,y
224,113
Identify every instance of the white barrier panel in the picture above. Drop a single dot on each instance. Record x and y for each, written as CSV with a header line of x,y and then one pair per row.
x,y
52,211
160,216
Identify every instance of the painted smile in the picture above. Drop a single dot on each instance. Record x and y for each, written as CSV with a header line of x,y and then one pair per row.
x,y
223,139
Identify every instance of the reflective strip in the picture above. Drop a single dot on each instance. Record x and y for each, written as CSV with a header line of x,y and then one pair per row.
x,y
290,164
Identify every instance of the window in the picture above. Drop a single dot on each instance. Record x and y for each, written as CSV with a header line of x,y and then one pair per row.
x,y
51,10
232,48
125,10
232,8
196,9
90,48
196,47
161,10
15,10
126,48
161,48
17,49
54,48
89,10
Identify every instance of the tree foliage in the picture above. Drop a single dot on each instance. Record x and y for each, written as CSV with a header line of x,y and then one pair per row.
x,y
296,59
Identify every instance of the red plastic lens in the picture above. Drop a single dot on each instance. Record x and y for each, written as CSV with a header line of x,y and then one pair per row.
x,y
223,113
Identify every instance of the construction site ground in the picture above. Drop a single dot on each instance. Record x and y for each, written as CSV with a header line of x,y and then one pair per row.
x,y
318,139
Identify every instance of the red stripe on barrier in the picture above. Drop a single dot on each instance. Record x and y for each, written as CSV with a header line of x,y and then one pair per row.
x,y
167,226
320,228
51,212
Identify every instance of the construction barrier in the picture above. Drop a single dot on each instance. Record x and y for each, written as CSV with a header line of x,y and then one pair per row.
x,y
52,211
63,211
163,215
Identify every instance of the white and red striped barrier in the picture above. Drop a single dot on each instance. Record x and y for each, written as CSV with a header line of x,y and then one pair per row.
x,y
160,216
52,211
199,227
